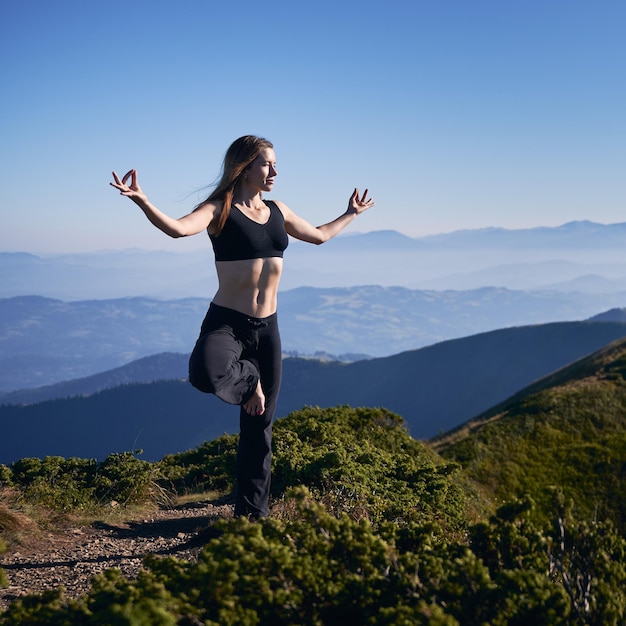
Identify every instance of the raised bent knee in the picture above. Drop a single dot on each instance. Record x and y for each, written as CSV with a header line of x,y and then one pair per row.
x,y
200,375
201,382
235,385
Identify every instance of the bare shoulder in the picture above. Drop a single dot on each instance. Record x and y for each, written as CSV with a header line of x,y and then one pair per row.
x,y
212,207
209,210
284,209
204,216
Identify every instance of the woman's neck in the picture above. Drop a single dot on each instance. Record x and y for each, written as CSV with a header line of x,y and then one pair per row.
x,y
252,202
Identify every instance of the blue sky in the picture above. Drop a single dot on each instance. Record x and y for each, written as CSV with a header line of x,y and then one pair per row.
x,y
456,114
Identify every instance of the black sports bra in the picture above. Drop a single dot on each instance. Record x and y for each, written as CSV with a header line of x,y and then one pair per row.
x,y
243,238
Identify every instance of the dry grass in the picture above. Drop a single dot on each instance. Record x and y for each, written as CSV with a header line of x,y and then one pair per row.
x,y
17,527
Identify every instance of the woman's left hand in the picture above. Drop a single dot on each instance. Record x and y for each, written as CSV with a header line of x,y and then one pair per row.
x,y
358,203
131,190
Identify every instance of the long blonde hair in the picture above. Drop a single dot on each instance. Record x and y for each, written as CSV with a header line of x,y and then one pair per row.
x,y
239,156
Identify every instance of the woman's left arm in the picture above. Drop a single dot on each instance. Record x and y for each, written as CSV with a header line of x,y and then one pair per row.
x,y
303,230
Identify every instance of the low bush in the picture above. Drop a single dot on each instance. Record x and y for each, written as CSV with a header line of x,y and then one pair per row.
x,y
79,484
318,568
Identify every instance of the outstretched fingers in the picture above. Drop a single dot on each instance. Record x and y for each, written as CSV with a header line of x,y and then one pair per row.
x,y
132,174
124,187
360,202
118,183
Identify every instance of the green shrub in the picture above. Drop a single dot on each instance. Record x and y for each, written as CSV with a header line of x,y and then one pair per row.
x,y
210,467
356,461
74,484
55,482
4,581
363,462
6,476
125,478
370,527
321,569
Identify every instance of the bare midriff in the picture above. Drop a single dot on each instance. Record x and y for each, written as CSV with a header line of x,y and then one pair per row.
x,y
249,286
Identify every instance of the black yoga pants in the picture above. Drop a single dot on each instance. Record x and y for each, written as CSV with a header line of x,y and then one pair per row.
x,y
232,353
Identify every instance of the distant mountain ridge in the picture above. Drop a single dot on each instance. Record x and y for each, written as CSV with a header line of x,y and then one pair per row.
x,y
388,258
614,315
44,341
577,234
149,369
434,389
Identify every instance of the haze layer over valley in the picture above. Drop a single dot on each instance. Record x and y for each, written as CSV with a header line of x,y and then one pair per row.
x,y
579,256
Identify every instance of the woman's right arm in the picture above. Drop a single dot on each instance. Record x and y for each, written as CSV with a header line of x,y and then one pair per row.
x,y
191,224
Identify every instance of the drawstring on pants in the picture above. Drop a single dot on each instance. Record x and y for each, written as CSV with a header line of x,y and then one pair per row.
x,y
250,337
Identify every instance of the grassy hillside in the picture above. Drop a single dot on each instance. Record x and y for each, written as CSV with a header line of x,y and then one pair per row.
x,y
515,517
369,526
565,434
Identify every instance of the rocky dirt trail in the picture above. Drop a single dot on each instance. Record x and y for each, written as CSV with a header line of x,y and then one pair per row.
x,y
71,556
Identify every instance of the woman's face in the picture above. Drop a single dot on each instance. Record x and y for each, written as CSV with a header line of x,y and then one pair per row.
x,y
261,173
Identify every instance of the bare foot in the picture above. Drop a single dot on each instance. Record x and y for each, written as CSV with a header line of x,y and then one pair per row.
x,y
256,404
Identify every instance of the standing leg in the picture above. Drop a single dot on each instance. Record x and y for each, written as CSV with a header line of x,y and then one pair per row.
x,y
254,455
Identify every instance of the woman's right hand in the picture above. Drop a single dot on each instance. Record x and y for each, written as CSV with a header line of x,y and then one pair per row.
x,y
132,190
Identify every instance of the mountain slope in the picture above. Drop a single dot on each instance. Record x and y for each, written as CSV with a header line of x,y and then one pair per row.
x,y
434,389
565,433
162,366
614,315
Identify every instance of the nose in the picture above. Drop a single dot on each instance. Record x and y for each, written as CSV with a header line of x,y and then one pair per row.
x,y
273,171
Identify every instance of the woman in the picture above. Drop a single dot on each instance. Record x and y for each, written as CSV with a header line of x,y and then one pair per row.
x,y
238,354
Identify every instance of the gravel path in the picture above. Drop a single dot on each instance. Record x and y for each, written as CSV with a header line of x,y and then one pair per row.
x,y
72,557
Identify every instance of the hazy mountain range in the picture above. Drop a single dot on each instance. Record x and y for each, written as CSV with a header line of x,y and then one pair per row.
x,y
45,341
434,389
581,256
436,328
